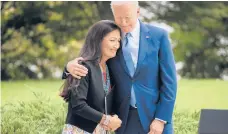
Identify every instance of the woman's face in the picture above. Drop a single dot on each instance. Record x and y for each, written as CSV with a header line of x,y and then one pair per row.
x,y
110,44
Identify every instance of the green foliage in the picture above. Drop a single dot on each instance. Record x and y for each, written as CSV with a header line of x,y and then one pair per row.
x,y
38,38
186,122
41,116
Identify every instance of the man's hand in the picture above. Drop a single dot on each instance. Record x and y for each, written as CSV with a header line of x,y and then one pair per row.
x,y
156,127
75,69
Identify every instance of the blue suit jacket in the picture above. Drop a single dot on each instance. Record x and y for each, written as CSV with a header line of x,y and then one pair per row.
x,y
154,80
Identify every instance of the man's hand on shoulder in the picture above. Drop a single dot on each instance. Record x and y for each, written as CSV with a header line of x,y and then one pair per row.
x,y
75,69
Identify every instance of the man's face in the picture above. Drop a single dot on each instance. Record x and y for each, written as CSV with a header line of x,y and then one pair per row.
x,y
126,16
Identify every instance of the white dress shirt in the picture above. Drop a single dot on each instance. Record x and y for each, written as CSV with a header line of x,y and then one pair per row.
x,y
134,47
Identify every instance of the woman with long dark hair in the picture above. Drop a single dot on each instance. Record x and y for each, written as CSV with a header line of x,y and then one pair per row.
x,y
90,98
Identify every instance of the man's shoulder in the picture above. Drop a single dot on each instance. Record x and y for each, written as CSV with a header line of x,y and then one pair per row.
x,y
156,31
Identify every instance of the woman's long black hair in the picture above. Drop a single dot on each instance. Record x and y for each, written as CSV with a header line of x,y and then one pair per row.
x,y
91,50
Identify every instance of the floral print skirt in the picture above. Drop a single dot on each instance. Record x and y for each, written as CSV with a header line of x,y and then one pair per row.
x,y
71,129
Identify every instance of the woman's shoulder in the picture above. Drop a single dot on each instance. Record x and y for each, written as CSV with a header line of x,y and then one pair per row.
x,y
93,69
90,65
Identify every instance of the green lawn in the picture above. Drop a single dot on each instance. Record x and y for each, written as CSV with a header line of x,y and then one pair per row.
x,y
198,94
192,94
24,90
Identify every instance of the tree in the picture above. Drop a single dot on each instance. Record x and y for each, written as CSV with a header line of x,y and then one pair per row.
x,y
39,37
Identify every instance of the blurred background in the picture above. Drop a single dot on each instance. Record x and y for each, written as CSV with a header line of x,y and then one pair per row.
x,y
39,38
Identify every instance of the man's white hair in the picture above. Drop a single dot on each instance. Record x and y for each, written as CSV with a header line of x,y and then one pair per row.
x,y
136,3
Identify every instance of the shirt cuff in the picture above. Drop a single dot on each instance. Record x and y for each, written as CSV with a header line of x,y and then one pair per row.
x,y
161,120
66,72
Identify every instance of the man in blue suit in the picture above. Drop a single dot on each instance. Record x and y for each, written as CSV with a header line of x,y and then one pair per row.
x,y
144,73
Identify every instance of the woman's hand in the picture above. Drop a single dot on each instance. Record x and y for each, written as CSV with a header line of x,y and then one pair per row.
x,y
114,123
102,124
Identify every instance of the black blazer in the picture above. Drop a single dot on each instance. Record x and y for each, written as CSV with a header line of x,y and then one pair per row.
x,y
87,100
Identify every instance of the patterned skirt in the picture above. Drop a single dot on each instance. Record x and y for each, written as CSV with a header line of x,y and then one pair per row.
x,y
71,129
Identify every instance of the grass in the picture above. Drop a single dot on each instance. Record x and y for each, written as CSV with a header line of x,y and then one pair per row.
x,y
198,94
41,110
13,91
192,94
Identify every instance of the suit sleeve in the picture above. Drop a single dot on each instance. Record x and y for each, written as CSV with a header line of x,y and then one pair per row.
x,y
168,81
78,99
65,72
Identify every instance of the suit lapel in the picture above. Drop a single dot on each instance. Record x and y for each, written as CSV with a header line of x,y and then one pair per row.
x,y
143,46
